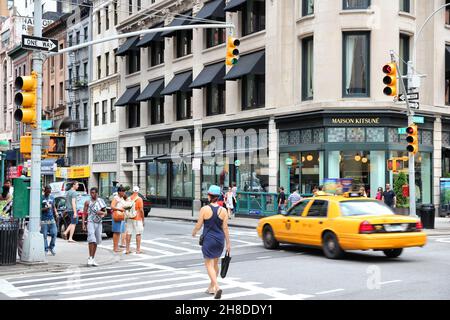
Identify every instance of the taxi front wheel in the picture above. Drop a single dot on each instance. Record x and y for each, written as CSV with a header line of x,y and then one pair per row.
x,y
331,247
393,253
269,238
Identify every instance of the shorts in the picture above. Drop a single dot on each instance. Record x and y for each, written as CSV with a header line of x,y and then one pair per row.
x,y
94,231
135,227
118,227
72,219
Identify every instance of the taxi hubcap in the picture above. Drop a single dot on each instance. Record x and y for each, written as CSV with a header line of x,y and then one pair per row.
x,y
331,245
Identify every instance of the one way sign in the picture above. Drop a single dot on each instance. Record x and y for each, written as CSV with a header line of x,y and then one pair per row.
x,y
36,43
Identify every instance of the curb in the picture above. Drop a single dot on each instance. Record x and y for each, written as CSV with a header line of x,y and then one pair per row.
x,y
195,220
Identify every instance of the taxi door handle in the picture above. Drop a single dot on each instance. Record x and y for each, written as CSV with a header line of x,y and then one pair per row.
x,y
288,220
320,222
297,221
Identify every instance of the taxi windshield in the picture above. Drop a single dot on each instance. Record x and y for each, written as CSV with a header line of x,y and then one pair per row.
x,y
364,208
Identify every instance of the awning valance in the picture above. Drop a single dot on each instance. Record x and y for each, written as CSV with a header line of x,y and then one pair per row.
x,y
180,82
153,90
253,63
149,158
148,38
210,74
129,45
211,10
130,96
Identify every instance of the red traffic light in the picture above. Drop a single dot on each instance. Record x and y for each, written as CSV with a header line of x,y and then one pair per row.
x,y
410,130
387,69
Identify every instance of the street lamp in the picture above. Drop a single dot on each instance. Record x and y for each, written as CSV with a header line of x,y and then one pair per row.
x,y
288,163
237,164
4,146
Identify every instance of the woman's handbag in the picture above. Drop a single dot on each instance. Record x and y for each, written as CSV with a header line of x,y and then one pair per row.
x,y
118,216
225,264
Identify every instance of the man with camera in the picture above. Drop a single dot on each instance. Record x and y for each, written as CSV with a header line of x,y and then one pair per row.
x,y
48,223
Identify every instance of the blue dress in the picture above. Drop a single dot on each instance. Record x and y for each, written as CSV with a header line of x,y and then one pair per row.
x,y
213,235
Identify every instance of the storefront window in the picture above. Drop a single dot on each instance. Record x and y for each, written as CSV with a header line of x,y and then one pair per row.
x,y
105,184
181,180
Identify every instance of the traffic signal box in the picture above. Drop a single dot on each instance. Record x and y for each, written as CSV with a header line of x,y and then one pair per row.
x,y
412,139
26,99
390,79
232,51
53,146
397,164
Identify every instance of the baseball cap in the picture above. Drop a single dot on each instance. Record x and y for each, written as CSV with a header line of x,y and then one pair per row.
x,y
214,190
135,189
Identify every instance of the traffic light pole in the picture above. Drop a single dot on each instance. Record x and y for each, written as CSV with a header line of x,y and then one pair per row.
x,y
33,248
411,156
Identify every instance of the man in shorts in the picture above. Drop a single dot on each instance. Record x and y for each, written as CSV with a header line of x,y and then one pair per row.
x,y
136,225
95,210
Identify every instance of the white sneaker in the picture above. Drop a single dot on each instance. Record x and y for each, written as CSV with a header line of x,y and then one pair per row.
x,y
94,264
90,262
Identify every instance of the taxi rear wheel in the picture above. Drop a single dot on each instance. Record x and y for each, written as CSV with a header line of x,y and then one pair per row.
x,y
331,247
393,253
269,238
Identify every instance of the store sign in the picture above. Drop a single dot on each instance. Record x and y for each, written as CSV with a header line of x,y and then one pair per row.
x,y
358,121
14,172
73,172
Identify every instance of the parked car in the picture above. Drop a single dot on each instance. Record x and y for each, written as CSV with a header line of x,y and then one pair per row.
x,y
64,220
147,203
60,188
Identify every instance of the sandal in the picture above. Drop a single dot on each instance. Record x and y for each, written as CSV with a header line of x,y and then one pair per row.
x,y
72,241
209,291
218,294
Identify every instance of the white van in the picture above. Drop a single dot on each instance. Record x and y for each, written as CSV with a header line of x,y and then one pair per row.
x,y
59,189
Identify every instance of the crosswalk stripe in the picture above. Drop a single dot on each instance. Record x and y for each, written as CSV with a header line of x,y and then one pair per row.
x,y
232,295
84,282
134,291
10,290
129,284
164,252
179,248
81,274
176,294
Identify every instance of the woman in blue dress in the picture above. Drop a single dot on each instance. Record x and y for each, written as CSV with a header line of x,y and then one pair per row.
x,y
214,220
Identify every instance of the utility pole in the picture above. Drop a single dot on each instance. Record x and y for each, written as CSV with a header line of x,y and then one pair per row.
x,y
33,248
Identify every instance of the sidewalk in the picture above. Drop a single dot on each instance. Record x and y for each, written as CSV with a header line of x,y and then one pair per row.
x,y
68,255
442,225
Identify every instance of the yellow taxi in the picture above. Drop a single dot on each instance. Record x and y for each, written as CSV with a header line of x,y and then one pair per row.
x,y
340,223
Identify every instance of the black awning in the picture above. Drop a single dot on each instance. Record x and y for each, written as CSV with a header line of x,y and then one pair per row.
x,y
11,155
178,21
211,10
210,74
253,63
148,38
129,96
235,5
149,158
180,82
129,45
153,90
447,59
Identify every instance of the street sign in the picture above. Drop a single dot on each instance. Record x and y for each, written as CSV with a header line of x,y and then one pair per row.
x,y
411,96
38,43
401,130
414,105
418,119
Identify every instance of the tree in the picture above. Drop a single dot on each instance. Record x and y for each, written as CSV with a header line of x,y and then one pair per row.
x,y
399,181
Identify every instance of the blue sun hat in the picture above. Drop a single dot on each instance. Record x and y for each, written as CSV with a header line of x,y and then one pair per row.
x,y
214,190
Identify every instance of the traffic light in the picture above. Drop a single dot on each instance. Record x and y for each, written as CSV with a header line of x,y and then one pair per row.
x,y
25,144
412,139
26,98
390,79
232,51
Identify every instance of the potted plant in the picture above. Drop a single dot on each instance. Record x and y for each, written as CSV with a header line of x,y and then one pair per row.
x,y
402,201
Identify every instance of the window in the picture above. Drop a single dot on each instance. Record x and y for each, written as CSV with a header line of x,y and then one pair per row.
x,y
447,77
107,63
184,105
104,111
70,40
113,110
183,43
86,34
99,67
318,209
214,37
307,7
99,23
134,61
134,115
61,93
405,5
85,71
356,73
253,16
130,7
115,61
106,18
298,209
156,53
77,37
96,114
115,12
404,55
77,112
307,68
356,4
156,110
129,154
52,96
61,57
447,12
105,152
253,91
139,5
85,115
215,99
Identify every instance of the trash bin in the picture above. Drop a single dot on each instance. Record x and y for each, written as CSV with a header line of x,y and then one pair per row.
x,y
427,216
9,232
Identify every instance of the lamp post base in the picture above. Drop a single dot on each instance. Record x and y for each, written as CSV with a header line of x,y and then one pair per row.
x,y
33,249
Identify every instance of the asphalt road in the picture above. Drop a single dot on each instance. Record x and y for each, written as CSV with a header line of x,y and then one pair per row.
x,y
171,268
